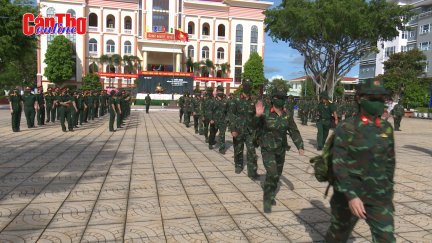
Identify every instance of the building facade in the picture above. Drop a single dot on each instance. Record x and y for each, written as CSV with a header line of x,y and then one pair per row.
x,y
349,84
419,36
224,32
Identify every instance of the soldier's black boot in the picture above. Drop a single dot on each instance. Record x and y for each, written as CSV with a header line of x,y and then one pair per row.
x,y
238,170
267,206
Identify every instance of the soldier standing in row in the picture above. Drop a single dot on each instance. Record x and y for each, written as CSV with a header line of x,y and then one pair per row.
x,y
119,110
242,115
196,110
274,124
363,167
181,105
64,111
40,114
206,112
397,112
15,106
326,110
30,106
187,108
218,120
80,107
289,105
147,102
49,99
112,107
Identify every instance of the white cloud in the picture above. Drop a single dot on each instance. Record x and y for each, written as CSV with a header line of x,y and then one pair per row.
x,y
276,77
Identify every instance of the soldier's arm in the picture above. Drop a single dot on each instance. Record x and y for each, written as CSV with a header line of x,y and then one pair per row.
x,y
391,161
295,133
346,178
233,117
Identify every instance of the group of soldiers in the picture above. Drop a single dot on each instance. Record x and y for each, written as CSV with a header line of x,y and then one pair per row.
x,y
308,109
74,107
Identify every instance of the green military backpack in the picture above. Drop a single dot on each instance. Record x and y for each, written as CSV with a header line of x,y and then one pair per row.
x,y
322,164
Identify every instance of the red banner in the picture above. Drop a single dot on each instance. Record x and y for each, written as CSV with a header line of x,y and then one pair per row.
x,y
157,73
117,75
207,79
160,36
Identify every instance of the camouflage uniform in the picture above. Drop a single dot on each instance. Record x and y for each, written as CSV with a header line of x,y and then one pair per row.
x,y
242,117
398,112
363,167
206,112
181,104
196,111
15,103
187,108
219,114
325,113
289,106
30,101
40,113
147,103
273,142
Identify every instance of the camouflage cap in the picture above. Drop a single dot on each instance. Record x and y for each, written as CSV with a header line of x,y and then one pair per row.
x,y
209,89
278,93
220,88
247,86
372,86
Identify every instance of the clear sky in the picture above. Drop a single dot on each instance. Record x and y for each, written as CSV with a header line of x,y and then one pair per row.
x,y
284,62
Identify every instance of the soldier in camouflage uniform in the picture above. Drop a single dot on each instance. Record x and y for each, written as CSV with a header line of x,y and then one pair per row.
x,y
15,106
181,105
40,112
289,105
196,110
397,112
274,124
326,110
206,112
187,108
306,110
30,106
218,120
49,100
243,132
363,167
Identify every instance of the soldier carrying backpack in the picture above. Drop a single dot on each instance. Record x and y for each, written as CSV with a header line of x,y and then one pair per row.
x,y
360,166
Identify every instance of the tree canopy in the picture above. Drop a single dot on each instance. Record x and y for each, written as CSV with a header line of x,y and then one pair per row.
x,y
91,82
254,70
332,35
278,84
17,51
58,59
402,76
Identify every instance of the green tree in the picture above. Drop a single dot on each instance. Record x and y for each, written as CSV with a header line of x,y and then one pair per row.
x,y
278,84
308,88
332,35
58,59
254,70
401,73
15,47
416,94
91,81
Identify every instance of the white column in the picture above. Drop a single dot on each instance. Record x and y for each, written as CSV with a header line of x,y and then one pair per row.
x,y
178,62
144,63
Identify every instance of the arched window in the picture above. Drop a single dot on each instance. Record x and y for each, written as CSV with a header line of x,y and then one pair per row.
x,y
206,29
238,54
93,20
110,46
191,28
191,51
71,12
50,12
127,47
93,68
110,21
254,39
239,33
220,53
221,30
127,23
92,45
110,69
205,52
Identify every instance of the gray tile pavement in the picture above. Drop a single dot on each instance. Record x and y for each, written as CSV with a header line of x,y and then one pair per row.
x,y
156,181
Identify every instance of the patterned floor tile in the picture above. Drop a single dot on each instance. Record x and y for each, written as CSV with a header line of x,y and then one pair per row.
x,y
301,233
177,212
205,210
186,238
251,221
217,223
61,235
144,229
103,233
62,220
267,234
226,236
239,208
181,226
29,222
20,236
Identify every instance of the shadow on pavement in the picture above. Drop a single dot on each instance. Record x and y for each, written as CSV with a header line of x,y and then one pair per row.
x,y
421,149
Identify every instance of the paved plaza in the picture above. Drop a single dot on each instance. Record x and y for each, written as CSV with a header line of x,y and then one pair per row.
x,y
156,181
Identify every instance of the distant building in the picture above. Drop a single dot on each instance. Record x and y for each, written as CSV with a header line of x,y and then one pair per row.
x,y
223,31
419,36
296,85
